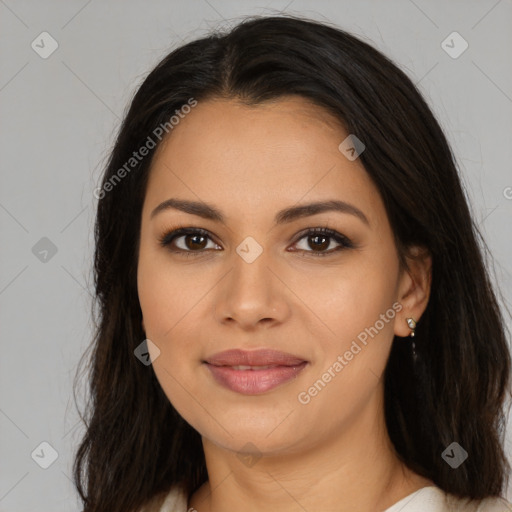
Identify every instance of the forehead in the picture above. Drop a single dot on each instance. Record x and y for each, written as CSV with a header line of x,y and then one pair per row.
x,y
252,158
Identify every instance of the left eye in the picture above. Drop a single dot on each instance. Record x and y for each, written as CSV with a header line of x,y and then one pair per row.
x,y
193,241
321,240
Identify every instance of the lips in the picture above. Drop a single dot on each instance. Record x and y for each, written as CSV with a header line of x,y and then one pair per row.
x,y
262,357
254,372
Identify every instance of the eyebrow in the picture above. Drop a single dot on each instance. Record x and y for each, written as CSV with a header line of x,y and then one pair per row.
x,y
207,211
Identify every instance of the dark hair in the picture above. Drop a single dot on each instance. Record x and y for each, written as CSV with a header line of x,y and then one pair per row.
x,y
136,446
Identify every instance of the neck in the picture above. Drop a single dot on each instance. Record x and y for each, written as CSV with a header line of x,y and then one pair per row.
x,y
356,471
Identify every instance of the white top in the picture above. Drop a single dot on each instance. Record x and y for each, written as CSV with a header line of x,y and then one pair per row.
x,y
427,499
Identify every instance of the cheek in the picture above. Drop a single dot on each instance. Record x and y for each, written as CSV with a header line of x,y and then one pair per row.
x,y
169,296
350,362
171,303
349,300
357,308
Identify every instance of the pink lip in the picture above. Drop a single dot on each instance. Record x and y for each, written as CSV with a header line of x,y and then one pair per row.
x,y
283,367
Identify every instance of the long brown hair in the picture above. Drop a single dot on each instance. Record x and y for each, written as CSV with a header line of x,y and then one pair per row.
x,y
136,446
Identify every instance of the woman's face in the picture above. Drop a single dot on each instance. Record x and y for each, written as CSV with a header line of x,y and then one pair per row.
x,y
256,282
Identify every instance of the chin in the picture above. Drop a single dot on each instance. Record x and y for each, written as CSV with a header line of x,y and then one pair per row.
x,y
264,436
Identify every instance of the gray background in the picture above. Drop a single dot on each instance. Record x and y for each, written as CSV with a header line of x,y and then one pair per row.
x,y
59,118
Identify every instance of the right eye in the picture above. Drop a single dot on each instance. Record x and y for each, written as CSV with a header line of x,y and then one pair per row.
x,y
191,240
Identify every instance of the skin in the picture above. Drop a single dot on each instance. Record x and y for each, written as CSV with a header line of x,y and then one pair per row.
x,y
333,453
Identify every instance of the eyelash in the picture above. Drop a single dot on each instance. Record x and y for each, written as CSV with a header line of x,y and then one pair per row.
x,y
169,236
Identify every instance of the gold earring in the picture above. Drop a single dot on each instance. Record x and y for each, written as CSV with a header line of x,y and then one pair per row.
x,y
412,325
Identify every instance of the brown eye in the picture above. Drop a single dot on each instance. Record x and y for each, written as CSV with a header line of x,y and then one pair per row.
x,y
187,240
195,242
319,242
320,239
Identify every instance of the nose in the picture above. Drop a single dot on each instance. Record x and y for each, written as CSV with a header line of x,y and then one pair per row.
x,y
252,295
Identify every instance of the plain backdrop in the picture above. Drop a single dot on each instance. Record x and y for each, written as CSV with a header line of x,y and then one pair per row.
x,y
59,117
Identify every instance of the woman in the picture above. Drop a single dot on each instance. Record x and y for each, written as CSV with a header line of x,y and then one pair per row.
x,y
294,312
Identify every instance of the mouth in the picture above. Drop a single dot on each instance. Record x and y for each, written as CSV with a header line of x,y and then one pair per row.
x,y
254,372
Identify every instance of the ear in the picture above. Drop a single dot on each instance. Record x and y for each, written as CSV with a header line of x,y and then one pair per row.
x,y
413,288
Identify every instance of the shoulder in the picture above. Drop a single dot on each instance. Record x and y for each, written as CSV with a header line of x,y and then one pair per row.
x,y
490,504
495,505
434,499
176,501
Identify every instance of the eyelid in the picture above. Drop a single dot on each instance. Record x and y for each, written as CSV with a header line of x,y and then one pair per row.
x,y
172,234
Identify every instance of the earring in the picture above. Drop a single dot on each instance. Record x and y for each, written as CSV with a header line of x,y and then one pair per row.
x,y
412,325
